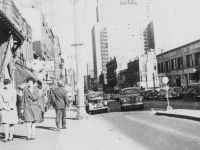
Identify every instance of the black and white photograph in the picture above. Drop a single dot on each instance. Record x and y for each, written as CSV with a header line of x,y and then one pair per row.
x,y
99,74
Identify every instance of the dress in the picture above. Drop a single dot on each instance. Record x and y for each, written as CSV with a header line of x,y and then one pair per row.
x,y
8,101
32,111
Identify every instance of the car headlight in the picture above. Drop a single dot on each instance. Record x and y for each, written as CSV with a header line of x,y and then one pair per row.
x,y
141,99
123,100
106,103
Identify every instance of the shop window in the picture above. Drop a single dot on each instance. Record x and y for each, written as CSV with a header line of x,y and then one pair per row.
x,y
173,64
159,68
180,62
162,67
197,59
167,65
189,61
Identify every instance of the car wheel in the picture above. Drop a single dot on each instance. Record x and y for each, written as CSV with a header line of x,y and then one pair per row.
x,y
185,98
108,110
122,109
142,107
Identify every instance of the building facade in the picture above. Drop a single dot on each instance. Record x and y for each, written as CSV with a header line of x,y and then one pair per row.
x,y
181,65
149,42
111,75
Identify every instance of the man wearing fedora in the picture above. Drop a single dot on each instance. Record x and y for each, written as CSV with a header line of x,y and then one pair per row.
x,y
60,102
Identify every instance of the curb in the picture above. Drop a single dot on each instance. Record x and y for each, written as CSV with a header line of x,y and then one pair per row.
x,y
159,113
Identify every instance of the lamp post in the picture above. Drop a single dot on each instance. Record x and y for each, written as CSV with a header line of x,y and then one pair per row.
x,y
81,112
165,81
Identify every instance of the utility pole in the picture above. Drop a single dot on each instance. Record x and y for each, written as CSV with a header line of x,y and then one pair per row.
x,y
81,112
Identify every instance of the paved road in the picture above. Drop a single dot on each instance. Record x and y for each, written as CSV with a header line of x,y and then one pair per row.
x,y
154,132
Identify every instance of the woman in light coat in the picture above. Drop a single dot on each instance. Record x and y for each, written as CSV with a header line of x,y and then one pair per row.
x,y
8,109
30,108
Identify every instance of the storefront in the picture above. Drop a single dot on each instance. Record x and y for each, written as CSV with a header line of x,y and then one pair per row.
x,y
10,41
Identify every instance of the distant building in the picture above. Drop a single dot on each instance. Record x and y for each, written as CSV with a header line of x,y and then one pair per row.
x,y
181,65
149,42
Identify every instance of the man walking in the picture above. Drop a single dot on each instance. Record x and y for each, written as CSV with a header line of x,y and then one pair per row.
x,y
59,102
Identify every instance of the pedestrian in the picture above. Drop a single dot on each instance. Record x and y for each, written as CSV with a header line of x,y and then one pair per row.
x,y
30,108
19,104
41,101
60,101
8,109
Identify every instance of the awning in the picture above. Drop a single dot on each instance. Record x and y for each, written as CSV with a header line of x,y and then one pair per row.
x,y
22,74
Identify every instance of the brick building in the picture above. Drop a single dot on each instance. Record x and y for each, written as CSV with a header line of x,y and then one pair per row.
x,y
181,65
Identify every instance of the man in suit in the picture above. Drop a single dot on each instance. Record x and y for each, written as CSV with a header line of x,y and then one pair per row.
x,y
59,102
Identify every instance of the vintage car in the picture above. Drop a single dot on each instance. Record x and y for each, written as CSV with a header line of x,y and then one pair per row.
x,y
95,102
192,92
131,98
179,92
151,94
172,93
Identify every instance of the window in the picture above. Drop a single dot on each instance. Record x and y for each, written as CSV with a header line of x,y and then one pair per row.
x,y
162,67
189,60
180,62
197,59
158,68
173,64
167,65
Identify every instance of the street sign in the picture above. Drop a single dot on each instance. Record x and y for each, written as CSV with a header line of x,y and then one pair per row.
x,y
165,80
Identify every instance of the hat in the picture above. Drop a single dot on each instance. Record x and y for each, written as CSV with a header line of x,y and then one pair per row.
x,y
60,83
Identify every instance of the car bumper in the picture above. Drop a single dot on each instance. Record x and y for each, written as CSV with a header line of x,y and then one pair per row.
x,y
97,109
136,105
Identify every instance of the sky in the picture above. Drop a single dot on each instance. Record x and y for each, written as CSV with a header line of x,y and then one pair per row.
x,y
176,22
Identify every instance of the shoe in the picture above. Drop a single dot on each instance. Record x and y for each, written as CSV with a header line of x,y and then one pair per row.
x,y
5,141
32,137
57,129
64,128
28,139
10,140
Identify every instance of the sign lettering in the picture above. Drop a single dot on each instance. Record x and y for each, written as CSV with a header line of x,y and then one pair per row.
x,y
127,2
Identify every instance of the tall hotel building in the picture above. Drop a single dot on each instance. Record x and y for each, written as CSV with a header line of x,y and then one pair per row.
x,y
124,32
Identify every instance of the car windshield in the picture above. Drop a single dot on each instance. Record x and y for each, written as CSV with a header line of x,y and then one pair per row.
x,y
131,91
177,89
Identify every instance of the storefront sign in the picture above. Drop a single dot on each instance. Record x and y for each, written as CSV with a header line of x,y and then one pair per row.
x,y
180,72
161,74
190,70
174,72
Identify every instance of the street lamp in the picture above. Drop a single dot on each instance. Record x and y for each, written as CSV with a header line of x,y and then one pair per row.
x,y
165,81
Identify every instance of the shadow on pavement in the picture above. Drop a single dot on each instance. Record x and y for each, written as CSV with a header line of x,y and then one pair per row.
x,y
2,136
54,118
46,128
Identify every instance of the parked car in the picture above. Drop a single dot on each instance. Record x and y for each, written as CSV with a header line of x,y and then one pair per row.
x,y
179,92
95,102
173,93
131,98
192,92
151,94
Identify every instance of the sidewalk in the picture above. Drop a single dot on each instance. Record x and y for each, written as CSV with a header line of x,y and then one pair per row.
x,y
91,134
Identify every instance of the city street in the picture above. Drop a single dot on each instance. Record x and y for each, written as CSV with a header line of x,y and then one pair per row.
x,y
126,130
154,132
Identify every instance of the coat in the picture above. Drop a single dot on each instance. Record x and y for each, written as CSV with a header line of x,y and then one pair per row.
x,y
32,111
8,106
59,98
41,100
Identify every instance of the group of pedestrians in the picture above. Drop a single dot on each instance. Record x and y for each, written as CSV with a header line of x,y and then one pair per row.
x,y
32,103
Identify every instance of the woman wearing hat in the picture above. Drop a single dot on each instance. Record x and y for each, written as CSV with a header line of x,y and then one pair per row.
x,y
30,108
8,109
